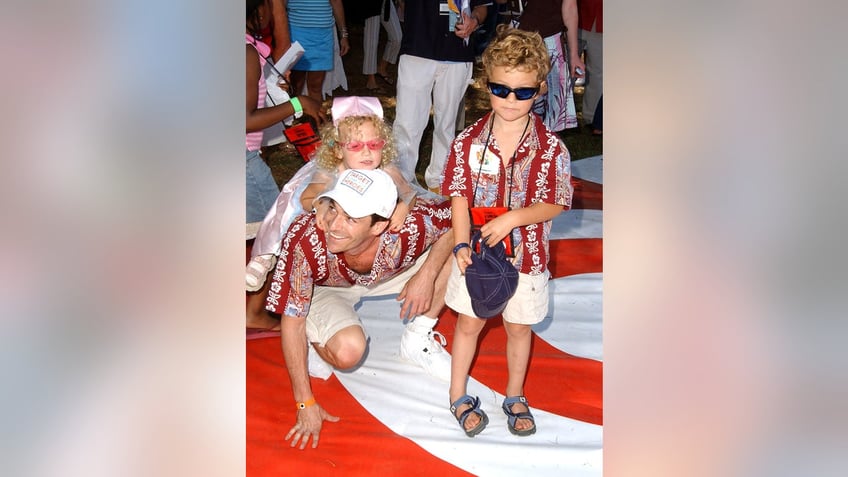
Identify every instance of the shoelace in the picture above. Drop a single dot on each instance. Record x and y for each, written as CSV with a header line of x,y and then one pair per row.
x,y
442,340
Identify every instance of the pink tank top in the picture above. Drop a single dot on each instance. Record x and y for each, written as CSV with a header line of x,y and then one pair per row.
x,y
254,139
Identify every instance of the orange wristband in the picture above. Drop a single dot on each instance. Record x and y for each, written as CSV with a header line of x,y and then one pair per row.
x,y
305,404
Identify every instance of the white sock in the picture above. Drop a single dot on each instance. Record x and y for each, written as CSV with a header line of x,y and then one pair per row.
x,y
423,324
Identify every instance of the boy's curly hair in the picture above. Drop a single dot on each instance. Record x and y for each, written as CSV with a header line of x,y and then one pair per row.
x,y
331,136
516,49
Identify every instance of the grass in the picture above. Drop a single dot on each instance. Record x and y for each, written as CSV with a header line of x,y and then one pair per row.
x,y
284,160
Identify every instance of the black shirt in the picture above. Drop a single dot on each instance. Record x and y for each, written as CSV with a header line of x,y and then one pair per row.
x,y
426,32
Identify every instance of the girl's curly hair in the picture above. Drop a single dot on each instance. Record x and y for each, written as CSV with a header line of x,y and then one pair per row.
x,y
332,136
516,49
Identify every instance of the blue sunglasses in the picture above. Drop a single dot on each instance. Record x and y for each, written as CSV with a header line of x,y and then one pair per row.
x,y
521,94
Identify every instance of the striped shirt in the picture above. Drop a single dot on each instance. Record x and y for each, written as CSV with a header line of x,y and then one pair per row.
x,y
310,13
253,141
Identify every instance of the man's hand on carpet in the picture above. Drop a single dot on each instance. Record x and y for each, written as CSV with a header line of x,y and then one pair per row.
x,y
309,422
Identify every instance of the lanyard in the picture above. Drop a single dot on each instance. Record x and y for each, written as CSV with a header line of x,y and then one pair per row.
x,y
508,189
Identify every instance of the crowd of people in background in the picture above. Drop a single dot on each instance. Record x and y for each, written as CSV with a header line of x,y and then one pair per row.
x,y
355,222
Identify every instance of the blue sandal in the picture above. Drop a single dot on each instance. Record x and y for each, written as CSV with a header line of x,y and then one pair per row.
x,y
474,402
512,417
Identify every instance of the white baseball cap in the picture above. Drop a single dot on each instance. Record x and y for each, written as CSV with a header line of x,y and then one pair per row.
x,y
363,192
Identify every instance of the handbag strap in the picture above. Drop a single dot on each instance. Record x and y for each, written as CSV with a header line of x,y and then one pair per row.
x,y
269,60
507,187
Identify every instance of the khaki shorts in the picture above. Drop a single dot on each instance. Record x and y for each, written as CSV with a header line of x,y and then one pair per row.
x,y
528,306
332,310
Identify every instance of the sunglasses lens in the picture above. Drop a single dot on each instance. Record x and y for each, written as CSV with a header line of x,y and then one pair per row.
x,y
376,144
499,90
523,94
354,146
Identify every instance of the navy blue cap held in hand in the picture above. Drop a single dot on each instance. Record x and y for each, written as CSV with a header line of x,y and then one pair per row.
x,y
491,279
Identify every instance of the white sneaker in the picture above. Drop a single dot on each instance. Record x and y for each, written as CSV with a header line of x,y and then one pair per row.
x,y
257,270
425,347
318,368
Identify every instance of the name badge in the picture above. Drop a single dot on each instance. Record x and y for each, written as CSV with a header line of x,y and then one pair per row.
x,y
453,18
490,163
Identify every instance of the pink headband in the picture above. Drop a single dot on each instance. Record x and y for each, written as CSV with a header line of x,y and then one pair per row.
x,y
355,106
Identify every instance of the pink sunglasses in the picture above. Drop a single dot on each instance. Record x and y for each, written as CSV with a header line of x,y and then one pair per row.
x,y
355,146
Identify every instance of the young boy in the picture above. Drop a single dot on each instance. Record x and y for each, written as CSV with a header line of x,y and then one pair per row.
x,y
508,158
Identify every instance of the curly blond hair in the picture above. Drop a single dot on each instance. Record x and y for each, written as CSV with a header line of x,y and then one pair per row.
x,y
516,49
331,137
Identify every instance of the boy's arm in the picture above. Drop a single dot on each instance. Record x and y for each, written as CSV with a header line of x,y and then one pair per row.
x,y
496,229
461,224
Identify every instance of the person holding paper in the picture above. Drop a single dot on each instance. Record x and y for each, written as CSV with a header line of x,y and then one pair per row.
x,y
261,188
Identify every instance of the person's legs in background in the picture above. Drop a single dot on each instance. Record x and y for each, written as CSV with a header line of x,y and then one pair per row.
x,y
594,73
371,38
415,86
451,82
394,37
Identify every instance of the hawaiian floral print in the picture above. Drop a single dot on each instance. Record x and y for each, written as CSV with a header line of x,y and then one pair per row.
x,y
541,173
305,261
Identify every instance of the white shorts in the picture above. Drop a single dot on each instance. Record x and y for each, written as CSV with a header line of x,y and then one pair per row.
x,y
528,306
332,308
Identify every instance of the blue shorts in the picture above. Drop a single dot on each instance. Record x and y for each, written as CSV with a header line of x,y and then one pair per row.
x,y
260,187
317,44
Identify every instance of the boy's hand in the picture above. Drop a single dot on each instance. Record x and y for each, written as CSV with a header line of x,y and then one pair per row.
x,y
497,229
463,259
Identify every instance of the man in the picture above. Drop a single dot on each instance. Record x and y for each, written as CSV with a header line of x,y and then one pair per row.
x,y
435,68
325,269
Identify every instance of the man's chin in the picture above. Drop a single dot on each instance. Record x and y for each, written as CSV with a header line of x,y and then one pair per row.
x,y
335,247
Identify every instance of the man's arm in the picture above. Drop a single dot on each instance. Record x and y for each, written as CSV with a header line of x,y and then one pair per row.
x,y
417,294
311,418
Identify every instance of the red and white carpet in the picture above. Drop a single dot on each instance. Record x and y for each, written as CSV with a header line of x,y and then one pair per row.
x,y
395,419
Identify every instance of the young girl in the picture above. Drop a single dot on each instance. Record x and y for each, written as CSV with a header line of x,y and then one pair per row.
x,y
358,138
260,185
510,159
